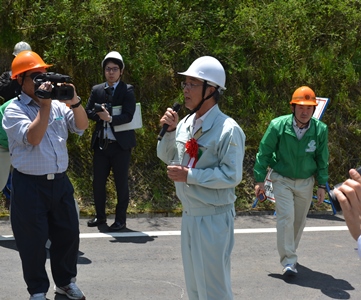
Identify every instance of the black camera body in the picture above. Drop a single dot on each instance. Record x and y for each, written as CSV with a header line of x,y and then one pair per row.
x,y
98,107
333,197
61,90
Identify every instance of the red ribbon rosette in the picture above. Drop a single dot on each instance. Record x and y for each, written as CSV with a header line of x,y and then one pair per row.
x,y
192,149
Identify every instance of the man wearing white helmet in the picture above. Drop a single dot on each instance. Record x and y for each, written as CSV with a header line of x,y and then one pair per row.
x,y
9,87
112,149
21,46
8,91
209,146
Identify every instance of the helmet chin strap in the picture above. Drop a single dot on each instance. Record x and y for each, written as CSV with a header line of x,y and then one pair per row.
x,y
304,124
20,88
116,80
120,76
204,88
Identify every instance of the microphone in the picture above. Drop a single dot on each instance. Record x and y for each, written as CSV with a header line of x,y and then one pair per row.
x,y
176,106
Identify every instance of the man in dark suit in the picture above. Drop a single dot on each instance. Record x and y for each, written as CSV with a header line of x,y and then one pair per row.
x,y
112,149
9,88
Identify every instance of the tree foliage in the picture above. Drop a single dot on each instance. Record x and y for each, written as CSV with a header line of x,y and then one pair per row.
x,y
268,49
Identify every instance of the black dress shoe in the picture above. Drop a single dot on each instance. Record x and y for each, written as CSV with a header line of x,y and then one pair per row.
x,y
95,222
116,226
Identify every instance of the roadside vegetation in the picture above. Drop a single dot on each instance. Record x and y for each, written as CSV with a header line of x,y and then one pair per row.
x,y
268,49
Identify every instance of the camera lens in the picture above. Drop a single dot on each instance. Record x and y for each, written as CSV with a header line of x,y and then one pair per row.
x,y
98,107
333,197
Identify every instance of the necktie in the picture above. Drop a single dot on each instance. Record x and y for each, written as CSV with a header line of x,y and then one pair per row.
x,y
103,135
197,135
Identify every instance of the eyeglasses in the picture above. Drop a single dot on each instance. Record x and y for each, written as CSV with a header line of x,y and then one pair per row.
x,y
108,70
189,85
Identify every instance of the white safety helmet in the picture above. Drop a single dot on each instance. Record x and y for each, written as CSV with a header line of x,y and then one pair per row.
x,y
116,56
21,46
207,68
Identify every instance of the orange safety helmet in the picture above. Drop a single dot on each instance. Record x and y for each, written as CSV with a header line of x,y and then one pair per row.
x,y
26,61
304,96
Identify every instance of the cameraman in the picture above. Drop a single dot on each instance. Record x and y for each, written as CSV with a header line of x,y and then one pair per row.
x,y
42,200
349,197
112,149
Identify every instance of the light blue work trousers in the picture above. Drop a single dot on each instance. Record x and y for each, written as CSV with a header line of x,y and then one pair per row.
x,y
207,243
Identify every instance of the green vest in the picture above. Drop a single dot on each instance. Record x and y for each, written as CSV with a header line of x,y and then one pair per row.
x,y
3,136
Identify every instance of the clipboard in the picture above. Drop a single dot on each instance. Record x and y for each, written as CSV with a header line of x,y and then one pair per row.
x,y
321,107
136,123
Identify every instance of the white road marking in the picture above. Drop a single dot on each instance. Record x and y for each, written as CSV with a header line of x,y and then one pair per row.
x,y
177,232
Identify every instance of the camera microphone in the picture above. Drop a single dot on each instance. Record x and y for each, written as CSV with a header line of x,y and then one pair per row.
x,y
176,106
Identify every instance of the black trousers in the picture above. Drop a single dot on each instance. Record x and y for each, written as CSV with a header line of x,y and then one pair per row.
x,y
42,209
116,159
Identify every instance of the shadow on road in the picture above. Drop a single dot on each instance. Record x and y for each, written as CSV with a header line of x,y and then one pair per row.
x,y
328,285
126,235
327,217
10,244
132,236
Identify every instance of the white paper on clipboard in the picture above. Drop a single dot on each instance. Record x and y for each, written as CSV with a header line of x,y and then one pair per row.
x,y
319,111
268,186
134,124
321,107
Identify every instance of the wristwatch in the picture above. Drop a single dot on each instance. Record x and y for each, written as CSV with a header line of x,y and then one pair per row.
x,y
111,119
77,104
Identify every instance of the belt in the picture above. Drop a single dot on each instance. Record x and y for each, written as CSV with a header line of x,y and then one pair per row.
x,y
207,210
52,176
111,141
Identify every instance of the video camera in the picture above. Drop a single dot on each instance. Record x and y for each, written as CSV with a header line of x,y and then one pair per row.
x,y
61,90
333,197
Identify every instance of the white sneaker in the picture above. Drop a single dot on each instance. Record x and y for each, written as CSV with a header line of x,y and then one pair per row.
x,y
71,291
289,269
38,296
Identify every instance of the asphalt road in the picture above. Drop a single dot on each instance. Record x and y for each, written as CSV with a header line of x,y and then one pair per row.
x,y
144,262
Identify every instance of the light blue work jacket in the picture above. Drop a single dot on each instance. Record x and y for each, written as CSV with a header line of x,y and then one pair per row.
x,y
210,186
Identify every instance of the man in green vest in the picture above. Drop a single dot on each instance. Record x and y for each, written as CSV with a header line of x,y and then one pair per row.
x,y
295,147
4,153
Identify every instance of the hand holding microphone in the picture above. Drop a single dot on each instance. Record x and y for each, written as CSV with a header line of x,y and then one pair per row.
x,y
168,119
